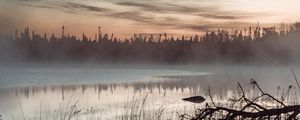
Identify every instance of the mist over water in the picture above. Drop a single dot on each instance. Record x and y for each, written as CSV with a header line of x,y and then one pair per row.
x,y
107,89
142,59
37,74
105,78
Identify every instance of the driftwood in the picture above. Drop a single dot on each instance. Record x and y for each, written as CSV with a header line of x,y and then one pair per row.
x,y
250,109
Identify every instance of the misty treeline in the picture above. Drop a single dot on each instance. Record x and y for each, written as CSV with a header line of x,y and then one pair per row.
x,y
253,44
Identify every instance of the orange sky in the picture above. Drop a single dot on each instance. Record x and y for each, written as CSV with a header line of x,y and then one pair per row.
x,y
125,17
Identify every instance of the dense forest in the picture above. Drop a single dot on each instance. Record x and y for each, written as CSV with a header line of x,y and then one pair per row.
x,y
250,45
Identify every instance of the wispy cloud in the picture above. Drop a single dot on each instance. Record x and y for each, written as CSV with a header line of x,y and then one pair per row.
x,y
68,6
132,15
162,7
165,13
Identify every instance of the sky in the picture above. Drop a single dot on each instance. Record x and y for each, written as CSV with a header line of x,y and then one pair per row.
x,y
126,17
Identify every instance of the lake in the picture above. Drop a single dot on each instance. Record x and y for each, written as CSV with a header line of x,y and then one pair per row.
x,y
108,92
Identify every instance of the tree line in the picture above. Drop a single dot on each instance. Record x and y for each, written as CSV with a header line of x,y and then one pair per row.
x,y
253,44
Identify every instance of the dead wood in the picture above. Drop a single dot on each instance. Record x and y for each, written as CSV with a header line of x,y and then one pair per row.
x,y
251,108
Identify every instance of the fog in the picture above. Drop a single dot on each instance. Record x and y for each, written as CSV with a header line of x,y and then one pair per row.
x,y
265,54
218,76
33,68
107,87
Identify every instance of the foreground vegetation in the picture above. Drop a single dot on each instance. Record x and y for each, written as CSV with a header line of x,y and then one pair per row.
x,y
263,106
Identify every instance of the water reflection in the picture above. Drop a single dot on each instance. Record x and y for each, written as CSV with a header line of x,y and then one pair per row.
x,y
160,96
107,100
183,84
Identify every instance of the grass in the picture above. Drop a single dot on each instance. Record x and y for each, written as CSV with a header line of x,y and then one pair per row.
x,y
241,106
137,108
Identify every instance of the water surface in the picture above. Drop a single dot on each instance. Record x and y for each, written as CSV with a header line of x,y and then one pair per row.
x,y
110,92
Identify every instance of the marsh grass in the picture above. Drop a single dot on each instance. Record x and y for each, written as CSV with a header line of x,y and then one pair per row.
x,y
136,108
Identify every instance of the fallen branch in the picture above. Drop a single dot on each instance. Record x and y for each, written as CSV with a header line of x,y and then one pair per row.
x,y
251,109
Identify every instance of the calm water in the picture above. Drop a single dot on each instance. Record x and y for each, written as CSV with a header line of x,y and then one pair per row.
x,y
123,92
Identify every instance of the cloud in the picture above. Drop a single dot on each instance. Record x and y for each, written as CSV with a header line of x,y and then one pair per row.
x,y
162,7
83,7
220,16
166,14
143,6
132,15
198,28
230,15
70,7
203,15
155,7
208,12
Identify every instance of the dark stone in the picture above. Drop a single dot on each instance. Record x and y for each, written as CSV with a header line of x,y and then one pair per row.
x,y
195,99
